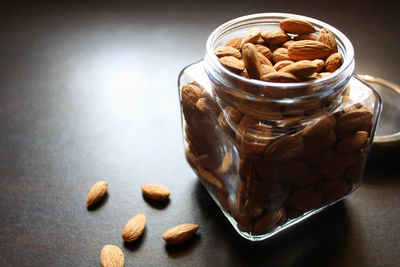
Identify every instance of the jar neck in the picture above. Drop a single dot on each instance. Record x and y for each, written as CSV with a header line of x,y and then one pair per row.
x,y
270,91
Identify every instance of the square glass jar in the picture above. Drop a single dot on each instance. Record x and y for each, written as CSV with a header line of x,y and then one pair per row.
x,y
272,154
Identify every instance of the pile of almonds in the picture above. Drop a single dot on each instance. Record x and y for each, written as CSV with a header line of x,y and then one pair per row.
x,y
111,255
293,54
269,163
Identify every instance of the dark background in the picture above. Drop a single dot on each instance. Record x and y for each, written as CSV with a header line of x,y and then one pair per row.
x,y
88,92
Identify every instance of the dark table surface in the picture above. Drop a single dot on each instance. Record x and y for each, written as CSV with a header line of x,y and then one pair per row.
x,y
88,92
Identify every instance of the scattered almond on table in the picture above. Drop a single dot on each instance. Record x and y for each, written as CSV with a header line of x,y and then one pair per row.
x,y
112,256
96,193
180,233
134,228
155,191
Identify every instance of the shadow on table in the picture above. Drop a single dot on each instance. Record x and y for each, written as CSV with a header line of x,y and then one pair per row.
x,y
318,239
180,250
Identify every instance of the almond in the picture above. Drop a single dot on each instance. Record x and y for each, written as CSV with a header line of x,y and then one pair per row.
x,y
191,93
280,54
266,69
265,51
352,143
112,256
286,44
282,64
207,106
235,43
226,51
319,126
297,26
209,178
227,163
320,64
233,64
251,36
264,60
97,192
134,228
308,49
283,148
269,221
302,68
280,77
333,62
326,36
251,60
155,191
353,121
305,37
180,233
275,37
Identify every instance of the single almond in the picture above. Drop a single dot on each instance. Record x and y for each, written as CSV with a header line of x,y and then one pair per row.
x,y
180,233
251,60
302,68
155,191
112,256
233,64
352,143
280,77
209,178
97,192
191,93
226,51
235,43
286,44
326,36
333,62
134,228
264,60
265,51
251,36
280,54
297,26
207,106
305,37
308,49
282,64
266,69
320,64
275,37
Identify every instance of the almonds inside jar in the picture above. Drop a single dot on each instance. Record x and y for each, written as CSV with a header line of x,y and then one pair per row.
x,y
296,41
266,161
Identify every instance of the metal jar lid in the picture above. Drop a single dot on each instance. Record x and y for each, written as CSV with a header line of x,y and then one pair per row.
x,y
388,129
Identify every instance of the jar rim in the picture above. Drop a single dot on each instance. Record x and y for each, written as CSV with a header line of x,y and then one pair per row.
x,y
348,56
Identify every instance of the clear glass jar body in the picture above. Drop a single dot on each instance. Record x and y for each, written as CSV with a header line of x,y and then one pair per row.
x,y
272,154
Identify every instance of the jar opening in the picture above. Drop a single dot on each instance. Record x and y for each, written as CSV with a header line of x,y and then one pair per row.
x,y
226,31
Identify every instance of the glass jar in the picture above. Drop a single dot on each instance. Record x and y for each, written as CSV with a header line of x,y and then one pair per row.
x,y
272,154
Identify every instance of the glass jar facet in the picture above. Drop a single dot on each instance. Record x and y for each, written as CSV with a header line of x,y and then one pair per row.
x,y
272,154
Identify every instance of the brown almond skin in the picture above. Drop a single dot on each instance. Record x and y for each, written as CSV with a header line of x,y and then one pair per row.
x,y
233,64
280,54
180,233
297,26
320,64
302,68
112,256
235,43
326,36
333,62
308,49
282,64
251,60
225,51
96,193
155,191
251,36
134,228
352,143
275,37
265,51
305,37
266,69
280,77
